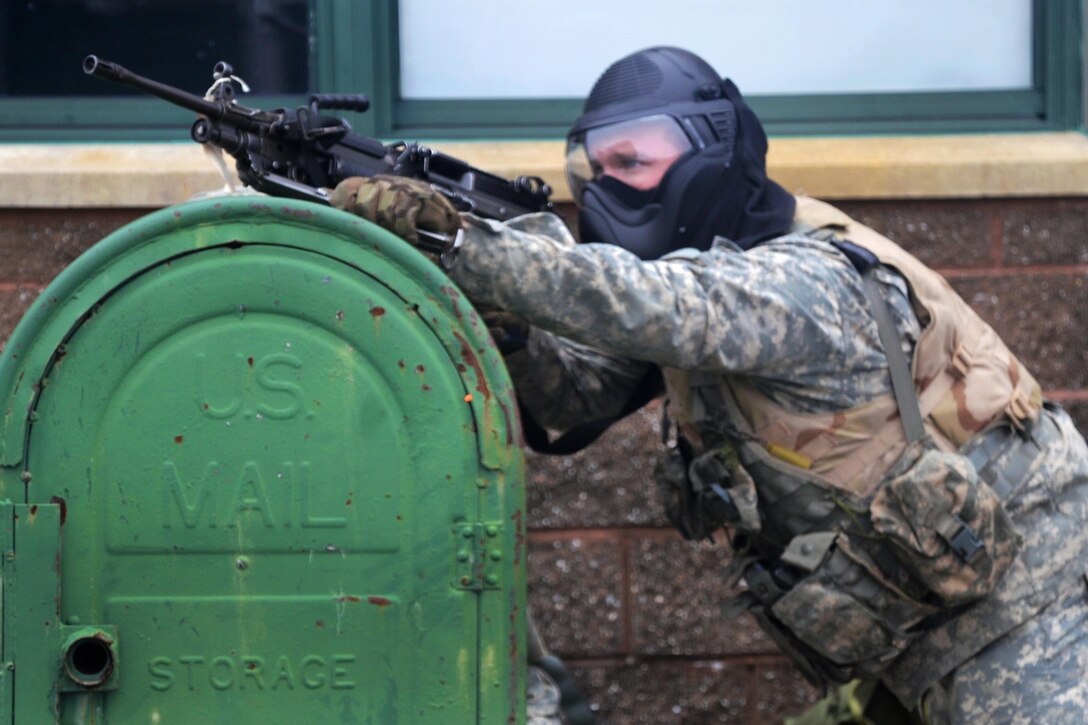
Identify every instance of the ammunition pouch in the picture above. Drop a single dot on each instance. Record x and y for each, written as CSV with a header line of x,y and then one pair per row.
x,y
849,616
945,524
844,604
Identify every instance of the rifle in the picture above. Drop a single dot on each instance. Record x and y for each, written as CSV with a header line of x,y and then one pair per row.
x,y
301,154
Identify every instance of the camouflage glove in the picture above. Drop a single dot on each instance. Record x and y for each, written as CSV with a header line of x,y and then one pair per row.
x,y
408,207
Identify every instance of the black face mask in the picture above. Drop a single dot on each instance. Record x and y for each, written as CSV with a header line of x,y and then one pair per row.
x,y
720,189
629,196
700,198
704,195
653,223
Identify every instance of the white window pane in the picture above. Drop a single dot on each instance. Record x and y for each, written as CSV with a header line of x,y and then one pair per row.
x,y
557,48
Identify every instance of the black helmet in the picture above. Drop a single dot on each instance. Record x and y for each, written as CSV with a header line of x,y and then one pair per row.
x,y
668,155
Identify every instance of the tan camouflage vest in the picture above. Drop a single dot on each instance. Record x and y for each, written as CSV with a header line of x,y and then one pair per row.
x,y
965,375
840,590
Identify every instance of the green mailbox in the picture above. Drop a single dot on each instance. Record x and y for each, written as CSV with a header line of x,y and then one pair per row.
x,y
260,463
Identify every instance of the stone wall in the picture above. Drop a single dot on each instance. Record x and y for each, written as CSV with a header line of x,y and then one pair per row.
x,y
634,609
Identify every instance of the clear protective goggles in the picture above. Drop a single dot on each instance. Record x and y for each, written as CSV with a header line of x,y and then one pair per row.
x,y
637,152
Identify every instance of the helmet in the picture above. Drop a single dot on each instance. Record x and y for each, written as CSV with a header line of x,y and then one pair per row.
x,y
667,155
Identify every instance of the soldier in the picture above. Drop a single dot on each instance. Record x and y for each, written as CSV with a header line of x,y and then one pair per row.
x,y
903,504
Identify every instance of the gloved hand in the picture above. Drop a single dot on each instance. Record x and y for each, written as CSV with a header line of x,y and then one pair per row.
x,y
408,207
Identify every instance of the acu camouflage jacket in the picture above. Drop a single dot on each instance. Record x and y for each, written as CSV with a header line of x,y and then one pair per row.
x,y
787,323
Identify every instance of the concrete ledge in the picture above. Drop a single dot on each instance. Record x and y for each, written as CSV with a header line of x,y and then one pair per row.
x,y
960,166
103,175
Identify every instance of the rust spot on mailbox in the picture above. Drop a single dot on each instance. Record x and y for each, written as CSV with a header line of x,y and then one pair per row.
x,y
377,313
63,507
290,211
470,359
454,296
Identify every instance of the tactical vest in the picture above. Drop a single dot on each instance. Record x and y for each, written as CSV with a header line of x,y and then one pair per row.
x,y
817,475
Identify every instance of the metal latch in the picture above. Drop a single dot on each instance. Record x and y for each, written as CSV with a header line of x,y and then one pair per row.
x,y
966,542
478,551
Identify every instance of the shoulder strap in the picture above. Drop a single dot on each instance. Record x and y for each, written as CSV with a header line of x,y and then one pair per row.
x,y
906,397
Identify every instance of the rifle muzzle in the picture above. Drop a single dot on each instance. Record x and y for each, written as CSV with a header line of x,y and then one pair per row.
x,y
95,66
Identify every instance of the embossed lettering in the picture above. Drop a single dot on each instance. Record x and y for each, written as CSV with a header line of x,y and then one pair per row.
x,y
189,661
221,673
199,503
300,479
160,669
312,675
269,383
231,389
252,668
283,673
251,495
173,491
227,672
206,400
339,673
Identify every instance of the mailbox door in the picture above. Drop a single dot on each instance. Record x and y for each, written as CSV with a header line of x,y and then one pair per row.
x,y
267,458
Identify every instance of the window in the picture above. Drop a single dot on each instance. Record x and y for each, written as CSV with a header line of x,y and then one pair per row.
x,y
177,42
489,69
44,95
848,66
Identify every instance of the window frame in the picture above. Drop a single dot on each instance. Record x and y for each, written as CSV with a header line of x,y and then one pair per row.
x,y
358,51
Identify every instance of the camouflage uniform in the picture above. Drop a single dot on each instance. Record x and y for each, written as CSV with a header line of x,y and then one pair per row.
x,y
541,698
790,317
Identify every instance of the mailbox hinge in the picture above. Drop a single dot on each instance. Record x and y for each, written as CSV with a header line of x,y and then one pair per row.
x,y
477,553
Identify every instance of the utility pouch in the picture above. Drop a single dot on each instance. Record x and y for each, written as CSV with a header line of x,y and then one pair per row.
x,y
845,609
709,491
945,524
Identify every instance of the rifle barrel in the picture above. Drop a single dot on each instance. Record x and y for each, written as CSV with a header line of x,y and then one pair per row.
x,y
101,68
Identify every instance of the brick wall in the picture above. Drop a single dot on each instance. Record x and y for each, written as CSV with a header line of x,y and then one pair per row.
x,y
634,609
